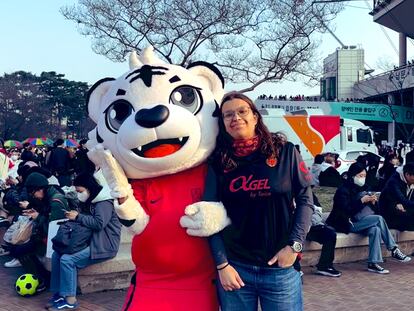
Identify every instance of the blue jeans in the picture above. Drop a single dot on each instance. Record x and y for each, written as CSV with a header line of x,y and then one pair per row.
x,y
277,289
65,271
375,227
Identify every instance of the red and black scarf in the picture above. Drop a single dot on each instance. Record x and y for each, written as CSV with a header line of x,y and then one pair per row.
x,y
244,147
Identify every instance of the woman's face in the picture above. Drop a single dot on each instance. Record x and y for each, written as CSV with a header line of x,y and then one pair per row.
x,y
362,174
80,189
239,119
83,193
395,162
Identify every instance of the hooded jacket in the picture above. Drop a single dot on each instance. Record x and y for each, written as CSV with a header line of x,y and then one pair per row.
x,y
329,176
105,225
397,191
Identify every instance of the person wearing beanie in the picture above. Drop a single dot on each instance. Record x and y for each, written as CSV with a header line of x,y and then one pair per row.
x,y
104,244
354,211
47,204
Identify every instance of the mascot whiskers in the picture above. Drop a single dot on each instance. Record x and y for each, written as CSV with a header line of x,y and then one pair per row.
x,y
156,126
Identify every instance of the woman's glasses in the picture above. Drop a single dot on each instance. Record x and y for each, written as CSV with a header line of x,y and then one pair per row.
x,y
241,112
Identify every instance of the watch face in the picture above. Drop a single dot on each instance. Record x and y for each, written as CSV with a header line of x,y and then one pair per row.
x,y
297,247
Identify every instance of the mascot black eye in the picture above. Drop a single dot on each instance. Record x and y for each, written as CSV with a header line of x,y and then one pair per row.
x,y
117,113
187,97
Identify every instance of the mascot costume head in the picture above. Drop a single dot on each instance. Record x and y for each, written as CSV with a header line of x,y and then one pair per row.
x,y
157,118
156,126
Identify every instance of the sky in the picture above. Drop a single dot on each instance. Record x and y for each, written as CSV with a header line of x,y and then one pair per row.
x,y
35,37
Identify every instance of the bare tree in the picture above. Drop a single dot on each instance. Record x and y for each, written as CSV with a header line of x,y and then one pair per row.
x,y
385,63
253,41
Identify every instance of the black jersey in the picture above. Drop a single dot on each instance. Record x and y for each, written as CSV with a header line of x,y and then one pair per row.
x,y
259,200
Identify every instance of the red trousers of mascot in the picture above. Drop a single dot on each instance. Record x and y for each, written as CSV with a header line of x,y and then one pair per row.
x,y
174,271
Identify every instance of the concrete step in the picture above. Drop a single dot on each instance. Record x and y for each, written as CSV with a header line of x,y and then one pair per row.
x,y
354,247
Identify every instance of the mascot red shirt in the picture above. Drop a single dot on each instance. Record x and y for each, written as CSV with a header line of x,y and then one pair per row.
x,y
156,126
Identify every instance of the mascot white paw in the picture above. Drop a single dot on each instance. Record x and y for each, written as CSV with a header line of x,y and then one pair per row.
x,y
204,218
130,211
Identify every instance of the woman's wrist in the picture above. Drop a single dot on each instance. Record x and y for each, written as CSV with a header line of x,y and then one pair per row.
x,y
222,266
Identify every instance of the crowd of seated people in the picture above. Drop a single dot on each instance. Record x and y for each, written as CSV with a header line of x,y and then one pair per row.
x,y
60,185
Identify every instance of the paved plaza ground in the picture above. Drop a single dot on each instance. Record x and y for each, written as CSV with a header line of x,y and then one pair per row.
x,y
357,289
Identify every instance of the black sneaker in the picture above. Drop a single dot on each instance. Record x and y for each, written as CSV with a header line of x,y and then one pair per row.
x,y
374,267
54,300
331,271
397,254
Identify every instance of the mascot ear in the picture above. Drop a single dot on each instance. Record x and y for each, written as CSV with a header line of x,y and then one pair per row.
x,y
211,75
94,97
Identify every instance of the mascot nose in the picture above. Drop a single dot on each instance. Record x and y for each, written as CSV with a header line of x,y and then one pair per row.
x,y
153,117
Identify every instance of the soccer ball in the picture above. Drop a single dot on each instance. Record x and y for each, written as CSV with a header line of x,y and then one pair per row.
x,y
26,285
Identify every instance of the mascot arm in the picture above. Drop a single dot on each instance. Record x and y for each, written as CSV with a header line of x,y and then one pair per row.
x,y
204,218
131,214
128,209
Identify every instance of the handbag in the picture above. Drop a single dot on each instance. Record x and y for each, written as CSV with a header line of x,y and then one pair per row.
x,y
20,231
71,238
365,211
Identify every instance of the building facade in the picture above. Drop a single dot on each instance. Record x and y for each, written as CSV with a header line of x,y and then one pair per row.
x,y
341,70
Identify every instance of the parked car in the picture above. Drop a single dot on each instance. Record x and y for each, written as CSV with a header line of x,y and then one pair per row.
x,y
344,159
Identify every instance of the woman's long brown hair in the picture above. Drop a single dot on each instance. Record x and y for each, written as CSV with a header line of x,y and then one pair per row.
x,y
269,144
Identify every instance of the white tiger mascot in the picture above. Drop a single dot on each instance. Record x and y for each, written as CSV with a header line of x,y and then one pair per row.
x,y
156,126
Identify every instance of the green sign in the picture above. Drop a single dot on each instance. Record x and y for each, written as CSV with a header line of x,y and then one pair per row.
x,y
372,112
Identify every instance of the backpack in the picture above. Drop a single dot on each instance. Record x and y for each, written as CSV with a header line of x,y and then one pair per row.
x,y
70,196
71,237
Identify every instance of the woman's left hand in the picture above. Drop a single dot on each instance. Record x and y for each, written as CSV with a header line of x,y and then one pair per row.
x,y
285,257
71,215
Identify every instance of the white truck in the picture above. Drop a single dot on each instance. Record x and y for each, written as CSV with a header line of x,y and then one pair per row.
x,y
316,133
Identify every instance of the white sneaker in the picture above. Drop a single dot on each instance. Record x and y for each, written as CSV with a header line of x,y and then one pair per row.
x,y
14,263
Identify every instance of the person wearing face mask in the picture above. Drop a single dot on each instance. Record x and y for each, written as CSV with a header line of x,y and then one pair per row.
x,y
397,199
354,211
104,244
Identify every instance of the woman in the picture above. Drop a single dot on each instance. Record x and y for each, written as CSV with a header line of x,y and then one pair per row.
x,y
353,211
104,243
257,176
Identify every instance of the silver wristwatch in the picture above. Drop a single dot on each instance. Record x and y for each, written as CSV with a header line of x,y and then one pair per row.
x,y
296,246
